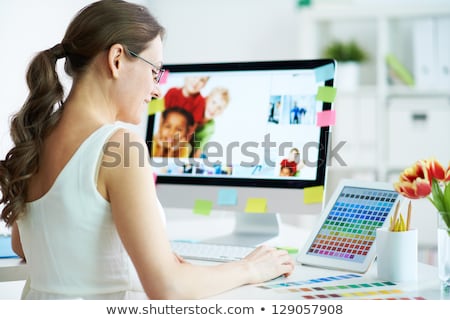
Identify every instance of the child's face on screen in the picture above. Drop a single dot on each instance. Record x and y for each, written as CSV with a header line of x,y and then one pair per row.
x,y
285,172
294,155
174,128
193,85
215,105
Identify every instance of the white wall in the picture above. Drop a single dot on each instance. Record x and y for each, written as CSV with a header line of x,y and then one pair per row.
x,y
26,27
197,30
215,30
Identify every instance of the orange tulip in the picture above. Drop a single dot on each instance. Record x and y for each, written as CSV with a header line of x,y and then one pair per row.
x,y
447,174
415,182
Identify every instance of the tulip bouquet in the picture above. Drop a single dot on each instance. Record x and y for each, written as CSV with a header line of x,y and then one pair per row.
x,y
427,178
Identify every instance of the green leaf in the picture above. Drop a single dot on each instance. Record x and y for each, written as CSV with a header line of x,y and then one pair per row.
x,y
447,198
438,196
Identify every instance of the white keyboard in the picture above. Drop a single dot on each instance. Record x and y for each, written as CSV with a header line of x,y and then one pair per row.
x,y
210,252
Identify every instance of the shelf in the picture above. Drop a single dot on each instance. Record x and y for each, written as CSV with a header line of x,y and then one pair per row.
x,y
404,91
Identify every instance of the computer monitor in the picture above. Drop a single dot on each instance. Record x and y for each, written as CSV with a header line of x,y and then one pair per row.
x,y
243,136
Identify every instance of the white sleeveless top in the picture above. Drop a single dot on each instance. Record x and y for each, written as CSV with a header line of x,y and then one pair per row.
x,y
71,244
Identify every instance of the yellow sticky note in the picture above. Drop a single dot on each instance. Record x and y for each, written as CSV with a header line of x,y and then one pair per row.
x,y
313,195
326,94
155,106
203,207
256,205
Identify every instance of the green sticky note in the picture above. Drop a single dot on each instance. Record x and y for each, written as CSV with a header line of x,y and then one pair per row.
x,y
290,250
203,207
256,205
313,195
326,94
155,106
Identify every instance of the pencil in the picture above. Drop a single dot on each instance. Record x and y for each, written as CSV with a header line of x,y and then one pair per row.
x,y
395,216
408,218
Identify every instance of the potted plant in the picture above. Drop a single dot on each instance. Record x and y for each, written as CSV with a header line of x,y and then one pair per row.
x,y
349,56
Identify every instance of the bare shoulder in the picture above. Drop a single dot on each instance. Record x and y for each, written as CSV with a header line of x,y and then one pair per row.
x,y
124,148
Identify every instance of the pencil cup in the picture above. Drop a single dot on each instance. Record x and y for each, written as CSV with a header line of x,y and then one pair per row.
x,y
396,255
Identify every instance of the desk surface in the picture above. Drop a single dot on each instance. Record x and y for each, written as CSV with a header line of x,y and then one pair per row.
x,y
305,283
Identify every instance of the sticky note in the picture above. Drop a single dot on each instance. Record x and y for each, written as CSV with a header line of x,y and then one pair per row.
x,y
326,118
324,73
155,106
227,197
256,205
326,94
313,195
155,177
164,77
203,207
5,247
290,250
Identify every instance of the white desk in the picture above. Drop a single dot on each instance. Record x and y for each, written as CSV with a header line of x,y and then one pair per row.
x,y
185,225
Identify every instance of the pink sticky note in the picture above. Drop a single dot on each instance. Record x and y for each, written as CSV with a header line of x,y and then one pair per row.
x,y
326,118
164,77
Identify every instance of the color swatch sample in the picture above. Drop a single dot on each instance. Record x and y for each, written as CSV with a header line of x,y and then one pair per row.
x,y
352,286
309,281
348,232
353,294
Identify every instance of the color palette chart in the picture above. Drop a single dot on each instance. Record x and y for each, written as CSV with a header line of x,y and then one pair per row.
x,y
288,284
348,232
344,286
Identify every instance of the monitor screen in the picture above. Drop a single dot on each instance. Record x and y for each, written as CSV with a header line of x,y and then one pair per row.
x,y
247,126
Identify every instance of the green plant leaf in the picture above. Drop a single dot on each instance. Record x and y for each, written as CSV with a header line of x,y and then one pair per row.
x,y
446,217
438,196
345,51
447,198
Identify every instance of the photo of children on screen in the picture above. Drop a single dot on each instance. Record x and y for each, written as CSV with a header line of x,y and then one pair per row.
x,y
188,97
172,138
216,103
292,164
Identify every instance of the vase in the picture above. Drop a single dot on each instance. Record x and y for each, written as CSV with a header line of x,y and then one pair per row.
x,y
348,74
443,248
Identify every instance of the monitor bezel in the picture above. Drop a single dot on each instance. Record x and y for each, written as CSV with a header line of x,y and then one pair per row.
x,y
249,182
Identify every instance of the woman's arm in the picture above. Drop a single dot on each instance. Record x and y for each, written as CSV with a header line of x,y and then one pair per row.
x,y
16,244
132,194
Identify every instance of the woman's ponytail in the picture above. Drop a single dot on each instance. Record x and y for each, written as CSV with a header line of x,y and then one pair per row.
x,y
29,127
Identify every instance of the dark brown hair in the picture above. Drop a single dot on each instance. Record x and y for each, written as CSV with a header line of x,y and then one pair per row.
x,y
94,29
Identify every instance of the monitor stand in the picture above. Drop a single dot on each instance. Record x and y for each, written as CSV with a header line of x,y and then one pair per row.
x,y
250,229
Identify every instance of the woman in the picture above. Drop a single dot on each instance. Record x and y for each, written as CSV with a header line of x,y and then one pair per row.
x,y
82,207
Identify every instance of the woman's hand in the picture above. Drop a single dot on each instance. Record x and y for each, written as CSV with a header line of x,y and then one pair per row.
x,y
266,263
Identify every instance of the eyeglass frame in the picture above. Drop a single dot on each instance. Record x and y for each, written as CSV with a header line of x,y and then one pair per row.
x,y
160,71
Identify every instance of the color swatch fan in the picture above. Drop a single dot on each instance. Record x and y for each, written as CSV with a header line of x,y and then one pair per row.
x,y
345,236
